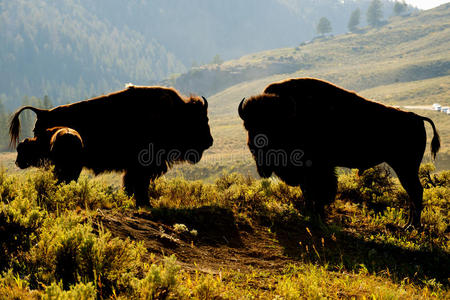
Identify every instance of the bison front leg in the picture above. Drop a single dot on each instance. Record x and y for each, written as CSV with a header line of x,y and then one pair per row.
x,y
128,183
67,172
319,189
136,184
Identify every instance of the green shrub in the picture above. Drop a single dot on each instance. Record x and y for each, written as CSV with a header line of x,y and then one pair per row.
x,y
227,180
69,251
90,195
20,220
79,291
7,188
41,187
178,192
430,180
160,281
14,287
376,187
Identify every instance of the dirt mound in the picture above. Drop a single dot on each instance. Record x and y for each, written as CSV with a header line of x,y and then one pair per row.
x,y
219,240
211,239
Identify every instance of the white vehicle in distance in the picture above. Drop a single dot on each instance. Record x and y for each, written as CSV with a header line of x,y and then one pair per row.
x,y
445,109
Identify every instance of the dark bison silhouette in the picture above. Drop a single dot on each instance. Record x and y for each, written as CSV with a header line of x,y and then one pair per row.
x,y
301,129
140,130
59,146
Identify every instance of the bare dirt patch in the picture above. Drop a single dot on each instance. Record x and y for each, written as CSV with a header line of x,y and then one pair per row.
x,y
220,243
224,243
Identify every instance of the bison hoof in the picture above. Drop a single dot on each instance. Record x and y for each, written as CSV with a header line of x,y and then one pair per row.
x,y
143,204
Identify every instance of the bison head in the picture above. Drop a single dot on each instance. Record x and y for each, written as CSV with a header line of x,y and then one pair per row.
x,y
194,129
268,120
30,153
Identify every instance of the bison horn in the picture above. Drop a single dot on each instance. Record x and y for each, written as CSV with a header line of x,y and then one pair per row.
x,y
206,102
241,109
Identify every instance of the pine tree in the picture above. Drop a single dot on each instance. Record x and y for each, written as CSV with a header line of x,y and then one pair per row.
x,y
354,20
399,7
324,26
374,13
46,103
217,60
3,128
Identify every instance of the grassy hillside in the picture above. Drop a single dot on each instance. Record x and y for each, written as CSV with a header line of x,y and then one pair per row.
x,y
407,49
237,238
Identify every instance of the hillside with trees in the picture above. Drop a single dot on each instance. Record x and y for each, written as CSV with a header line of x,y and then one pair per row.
x,y
405,62
74,49
62,49
411,48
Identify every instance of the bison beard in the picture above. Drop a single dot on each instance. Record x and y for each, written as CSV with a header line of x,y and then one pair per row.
x,y
116,128
333,128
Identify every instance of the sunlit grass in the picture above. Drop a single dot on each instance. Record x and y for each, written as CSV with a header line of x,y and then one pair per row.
x,y
53,245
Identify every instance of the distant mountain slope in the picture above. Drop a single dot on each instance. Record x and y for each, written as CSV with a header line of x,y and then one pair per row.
x,y
406,49
406,62
62,49
72,49
196,30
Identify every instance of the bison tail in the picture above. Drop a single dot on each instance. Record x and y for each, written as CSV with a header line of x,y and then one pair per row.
x,y
14,126
436,141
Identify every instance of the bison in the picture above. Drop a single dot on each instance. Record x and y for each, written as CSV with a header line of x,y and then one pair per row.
x,y
59,146
141,131
302,129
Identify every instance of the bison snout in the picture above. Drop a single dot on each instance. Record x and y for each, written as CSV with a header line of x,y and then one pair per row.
x,y
209,143
21,165
194,157
264,171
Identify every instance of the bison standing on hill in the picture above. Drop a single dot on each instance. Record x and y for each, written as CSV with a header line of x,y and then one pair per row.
x,y
59,146
140,130
301,129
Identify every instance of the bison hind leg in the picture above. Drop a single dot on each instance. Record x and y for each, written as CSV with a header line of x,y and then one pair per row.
x,y
409,178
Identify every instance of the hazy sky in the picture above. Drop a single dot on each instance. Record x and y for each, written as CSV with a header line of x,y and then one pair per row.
x,y
426,4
